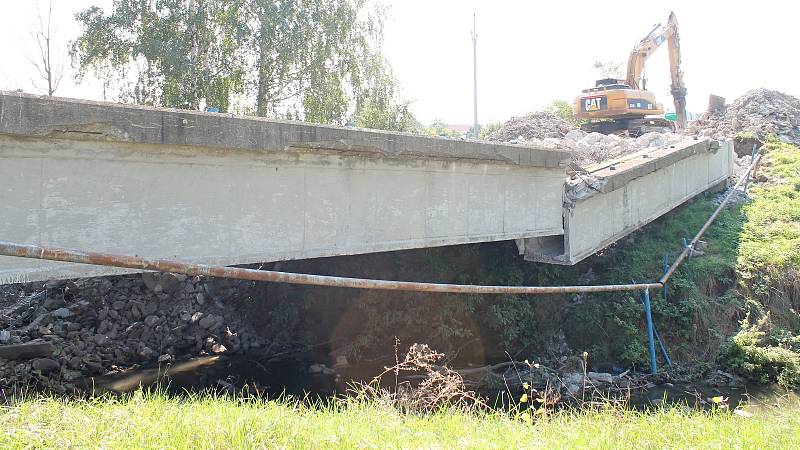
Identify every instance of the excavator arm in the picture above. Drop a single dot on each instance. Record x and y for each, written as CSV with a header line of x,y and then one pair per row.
x,y
642,52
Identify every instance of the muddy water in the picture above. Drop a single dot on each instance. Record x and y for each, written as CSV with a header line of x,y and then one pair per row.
x,y
274,376
756,397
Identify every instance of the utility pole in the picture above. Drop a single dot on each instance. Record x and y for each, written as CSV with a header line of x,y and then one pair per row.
x,y
475,130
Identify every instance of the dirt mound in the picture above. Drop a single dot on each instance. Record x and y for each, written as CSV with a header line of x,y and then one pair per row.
x,y
760,111
538,125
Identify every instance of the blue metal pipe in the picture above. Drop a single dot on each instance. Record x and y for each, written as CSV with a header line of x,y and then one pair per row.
x,y
650,333
666,269
663,348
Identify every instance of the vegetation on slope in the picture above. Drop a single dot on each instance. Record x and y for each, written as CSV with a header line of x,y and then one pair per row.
x,y
767,348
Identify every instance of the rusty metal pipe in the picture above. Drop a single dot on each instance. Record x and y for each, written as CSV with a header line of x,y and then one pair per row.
x,y
164,265
685,253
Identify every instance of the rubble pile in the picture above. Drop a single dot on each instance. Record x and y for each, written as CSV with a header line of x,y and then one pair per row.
x,y
100,325
547,130
538,125
760,111
593,148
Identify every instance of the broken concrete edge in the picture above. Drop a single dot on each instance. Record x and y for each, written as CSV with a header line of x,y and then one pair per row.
x,y
576,258
66,118
612,175
565,259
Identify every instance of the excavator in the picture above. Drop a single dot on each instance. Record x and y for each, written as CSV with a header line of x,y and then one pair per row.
x,y
617,106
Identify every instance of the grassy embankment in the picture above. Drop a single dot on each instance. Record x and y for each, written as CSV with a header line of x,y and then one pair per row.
x,y
153,421
750,273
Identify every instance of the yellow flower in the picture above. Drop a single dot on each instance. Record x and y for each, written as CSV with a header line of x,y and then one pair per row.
x,y
526,386
524,398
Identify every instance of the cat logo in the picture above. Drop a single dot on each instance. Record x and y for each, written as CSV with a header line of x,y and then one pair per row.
x,y
595,103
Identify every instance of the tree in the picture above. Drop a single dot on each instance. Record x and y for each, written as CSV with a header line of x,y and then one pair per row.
x,y
563,109
488,129
175,53
47,61
609,69
314,60
439,128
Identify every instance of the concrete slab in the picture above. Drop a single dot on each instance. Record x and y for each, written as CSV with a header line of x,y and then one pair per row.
x,y
618,197
215,189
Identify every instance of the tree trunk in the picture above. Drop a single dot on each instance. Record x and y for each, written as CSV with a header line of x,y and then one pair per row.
x,y
263,71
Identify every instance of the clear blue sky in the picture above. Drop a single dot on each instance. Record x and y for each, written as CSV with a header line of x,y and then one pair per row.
x,y
529,52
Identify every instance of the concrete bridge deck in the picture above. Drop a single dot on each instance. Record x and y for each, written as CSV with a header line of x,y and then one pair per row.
x,y
221,189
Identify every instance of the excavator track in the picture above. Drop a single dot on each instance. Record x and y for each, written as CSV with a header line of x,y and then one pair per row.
x,y
631,127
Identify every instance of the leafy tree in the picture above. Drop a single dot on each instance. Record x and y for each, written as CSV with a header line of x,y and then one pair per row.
x,y
439,128
173,53
314,60
563,109
488,129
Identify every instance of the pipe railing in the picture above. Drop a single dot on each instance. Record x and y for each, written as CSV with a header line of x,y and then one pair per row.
x,y
687,249
166,265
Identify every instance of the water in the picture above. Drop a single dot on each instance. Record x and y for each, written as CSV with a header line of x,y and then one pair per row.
x,y
274,376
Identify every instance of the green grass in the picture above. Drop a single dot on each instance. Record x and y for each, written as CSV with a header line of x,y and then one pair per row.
x,y
156,421
771,236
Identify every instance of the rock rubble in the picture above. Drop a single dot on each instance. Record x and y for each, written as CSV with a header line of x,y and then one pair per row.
x,y
760,111
538,125
547,130
98,326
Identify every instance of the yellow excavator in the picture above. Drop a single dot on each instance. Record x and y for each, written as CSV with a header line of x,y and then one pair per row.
x,y
619,106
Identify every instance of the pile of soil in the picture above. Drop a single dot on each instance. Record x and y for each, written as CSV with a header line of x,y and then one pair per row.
x,y
538,125
594,148
760,111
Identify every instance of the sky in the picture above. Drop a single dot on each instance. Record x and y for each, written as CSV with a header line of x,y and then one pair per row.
x,y
529,52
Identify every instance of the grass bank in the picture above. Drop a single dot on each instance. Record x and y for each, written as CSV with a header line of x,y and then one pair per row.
x,y
156,421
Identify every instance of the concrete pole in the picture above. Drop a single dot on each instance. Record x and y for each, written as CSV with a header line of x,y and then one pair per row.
x,y
475,129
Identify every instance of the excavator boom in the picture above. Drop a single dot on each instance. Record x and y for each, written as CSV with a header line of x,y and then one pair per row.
x,y
650,43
